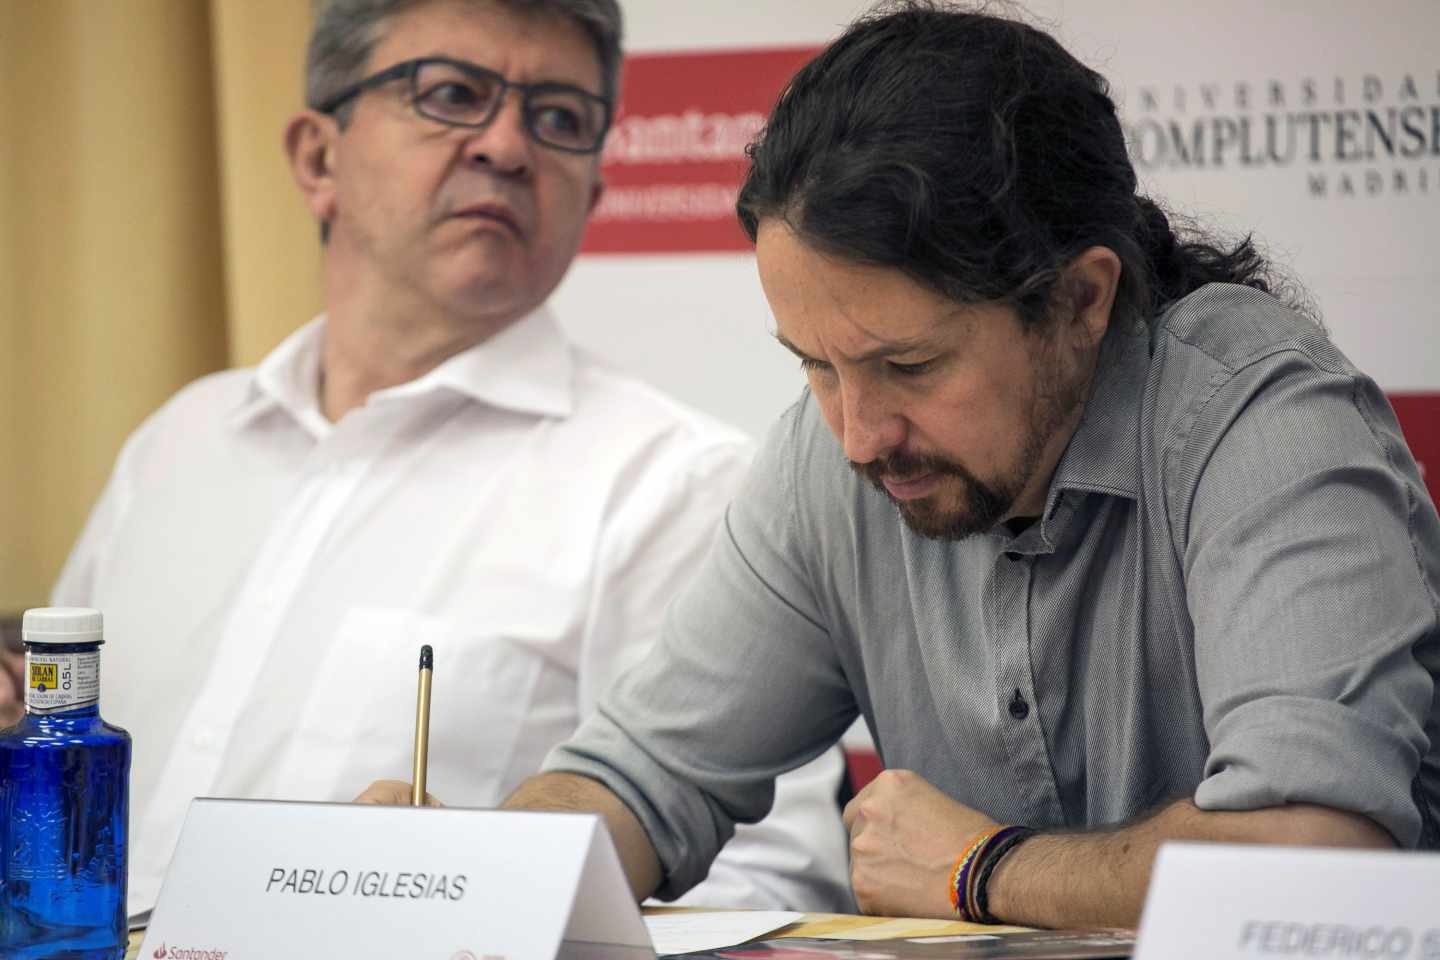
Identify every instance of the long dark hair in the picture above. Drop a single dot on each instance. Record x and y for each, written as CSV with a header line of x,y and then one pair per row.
x,y
978,156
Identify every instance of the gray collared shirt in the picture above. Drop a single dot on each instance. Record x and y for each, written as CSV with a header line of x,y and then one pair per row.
x,y
1231,596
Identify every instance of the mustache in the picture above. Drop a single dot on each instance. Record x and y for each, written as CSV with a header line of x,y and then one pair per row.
x,y
905,466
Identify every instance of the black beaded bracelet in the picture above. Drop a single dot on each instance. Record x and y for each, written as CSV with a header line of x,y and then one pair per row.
x,y
993,856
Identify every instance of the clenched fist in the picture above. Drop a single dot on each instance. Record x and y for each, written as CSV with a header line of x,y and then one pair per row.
x,y
905,836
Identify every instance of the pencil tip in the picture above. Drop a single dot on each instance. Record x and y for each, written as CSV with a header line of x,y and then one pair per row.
x,y
427,658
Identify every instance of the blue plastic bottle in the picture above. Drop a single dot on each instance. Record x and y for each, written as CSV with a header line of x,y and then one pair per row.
x,y
64,801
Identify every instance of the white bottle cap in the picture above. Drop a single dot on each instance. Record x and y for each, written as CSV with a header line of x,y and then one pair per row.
x,y
62,625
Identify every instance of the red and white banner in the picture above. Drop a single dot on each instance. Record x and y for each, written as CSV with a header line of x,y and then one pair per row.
x,y
676,154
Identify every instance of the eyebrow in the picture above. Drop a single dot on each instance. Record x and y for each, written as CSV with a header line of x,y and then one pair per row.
x,y
890,349
581,85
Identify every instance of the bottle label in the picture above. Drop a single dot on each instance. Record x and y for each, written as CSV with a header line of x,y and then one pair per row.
x,y
61,681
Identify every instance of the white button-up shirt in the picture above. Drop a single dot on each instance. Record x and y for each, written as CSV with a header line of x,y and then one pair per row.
x,y
268,578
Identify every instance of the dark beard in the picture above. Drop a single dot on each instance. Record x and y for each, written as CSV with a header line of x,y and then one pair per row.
x,y
984,505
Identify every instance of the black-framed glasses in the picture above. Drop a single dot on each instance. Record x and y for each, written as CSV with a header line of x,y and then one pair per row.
x,y
461,94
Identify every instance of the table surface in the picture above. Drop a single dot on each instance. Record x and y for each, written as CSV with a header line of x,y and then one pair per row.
x,y
810,925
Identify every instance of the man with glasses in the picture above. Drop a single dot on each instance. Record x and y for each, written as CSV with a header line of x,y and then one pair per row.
x,y
429,462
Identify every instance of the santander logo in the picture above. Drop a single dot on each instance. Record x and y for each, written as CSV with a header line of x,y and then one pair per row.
x,y
164,952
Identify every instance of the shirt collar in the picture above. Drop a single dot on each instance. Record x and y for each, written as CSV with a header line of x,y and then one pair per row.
x,y
526,367
1104,454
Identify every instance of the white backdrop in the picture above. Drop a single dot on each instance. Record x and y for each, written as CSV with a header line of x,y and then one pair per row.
x,y
698,327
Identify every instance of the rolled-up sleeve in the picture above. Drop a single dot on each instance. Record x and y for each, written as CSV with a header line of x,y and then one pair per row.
x,y
1309,581
744,685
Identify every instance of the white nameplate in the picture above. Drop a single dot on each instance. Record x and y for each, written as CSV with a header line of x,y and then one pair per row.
x,y
1226,902
277,880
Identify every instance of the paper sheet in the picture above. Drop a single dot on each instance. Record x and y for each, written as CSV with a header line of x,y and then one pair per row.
x,y
686,932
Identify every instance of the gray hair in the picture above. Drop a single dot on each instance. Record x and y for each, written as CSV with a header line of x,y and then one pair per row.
x,y
346,32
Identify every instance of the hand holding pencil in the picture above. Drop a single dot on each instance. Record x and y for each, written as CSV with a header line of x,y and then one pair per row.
x,y
395,793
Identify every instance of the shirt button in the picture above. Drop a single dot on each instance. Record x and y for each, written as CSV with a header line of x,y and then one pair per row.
x,y
1019,709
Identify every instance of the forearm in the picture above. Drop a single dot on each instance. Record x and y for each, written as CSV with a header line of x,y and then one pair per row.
x,y
1100,878
571,792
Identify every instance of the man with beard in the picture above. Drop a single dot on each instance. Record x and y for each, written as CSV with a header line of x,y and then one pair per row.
x,y
1129,551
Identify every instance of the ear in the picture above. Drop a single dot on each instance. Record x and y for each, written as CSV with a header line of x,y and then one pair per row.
x,y
1089,283
310,145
